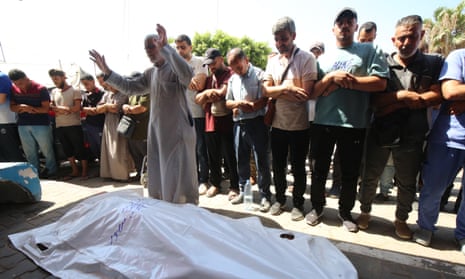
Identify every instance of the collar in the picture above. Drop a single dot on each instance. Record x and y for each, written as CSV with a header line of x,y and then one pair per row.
x,y
418,56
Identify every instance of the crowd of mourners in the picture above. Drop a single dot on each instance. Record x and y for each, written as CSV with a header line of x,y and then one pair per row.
x,y
387,119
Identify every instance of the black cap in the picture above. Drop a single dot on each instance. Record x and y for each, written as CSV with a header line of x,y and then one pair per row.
x,y
210,56
345,13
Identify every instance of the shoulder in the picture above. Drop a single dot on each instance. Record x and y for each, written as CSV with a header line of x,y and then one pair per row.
x,y
456,54
196,61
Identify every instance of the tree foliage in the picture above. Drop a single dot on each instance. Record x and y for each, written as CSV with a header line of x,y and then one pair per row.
x,y
446,31
257,52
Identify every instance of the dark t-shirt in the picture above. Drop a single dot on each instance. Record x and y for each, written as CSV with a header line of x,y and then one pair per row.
x,y
419,76
34,96
222,123
92,99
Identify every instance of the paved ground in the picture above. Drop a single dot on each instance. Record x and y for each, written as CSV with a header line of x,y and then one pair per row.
x,y
374,252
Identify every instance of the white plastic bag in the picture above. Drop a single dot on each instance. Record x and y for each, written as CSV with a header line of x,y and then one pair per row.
x,y
123,235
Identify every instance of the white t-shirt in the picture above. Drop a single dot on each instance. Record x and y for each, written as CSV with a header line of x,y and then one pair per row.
x,y
66,98
291,116
196,65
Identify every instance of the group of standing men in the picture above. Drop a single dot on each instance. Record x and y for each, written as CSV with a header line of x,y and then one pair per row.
x,y
221,116
360,86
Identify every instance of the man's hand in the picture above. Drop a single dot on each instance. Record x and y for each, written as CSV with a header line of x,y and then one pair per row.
x,y
330,89
296,94
99,60
22,108
343,79
162,39
198,82
246,106
412,99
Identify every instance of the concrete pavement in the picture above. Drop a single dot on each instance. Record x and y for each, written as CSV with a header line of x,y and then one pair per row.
x,y
376,252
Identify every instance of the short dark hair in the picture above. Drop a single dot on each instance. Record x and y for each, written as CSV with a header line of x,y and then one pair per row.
x,y
183,38
410,20
56,72
368,26
16,74
87,77
236,53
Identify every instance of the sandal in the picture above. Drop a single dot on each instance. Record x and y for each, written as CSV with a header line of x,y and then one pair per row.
x,y
212,191
232,194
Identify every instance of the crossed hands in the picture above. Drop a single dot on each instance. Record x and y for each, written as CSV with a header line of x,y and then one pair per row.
x,y
339,79
295,94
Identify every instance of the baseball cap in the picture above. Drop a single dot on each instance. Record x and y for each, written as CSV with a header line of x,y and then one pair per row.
x,y
318,45
345,12
210,56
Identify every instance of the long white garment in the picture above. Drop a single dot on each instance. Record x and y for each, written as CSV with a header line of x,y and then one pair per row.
x,y
171,161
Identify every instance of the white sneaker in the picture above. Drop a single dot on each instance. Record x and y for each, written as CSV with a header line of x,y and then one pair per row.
x,y
203,187
265,205
296,214
276,208
313,218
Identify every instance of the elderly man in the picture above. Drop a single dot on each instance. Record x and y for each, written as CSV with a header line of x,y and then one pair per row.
x,y
413,87
171,135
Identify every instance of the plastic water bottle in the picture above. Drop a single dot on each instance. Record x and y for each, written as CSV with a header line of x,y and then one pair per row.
x,y
248,197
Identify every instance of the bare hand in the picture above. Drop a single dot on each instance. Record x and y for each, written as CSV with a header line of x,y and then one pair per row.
x,y
99,60
246,106
297,94
162,39
198,82
412,99
330,89
343,79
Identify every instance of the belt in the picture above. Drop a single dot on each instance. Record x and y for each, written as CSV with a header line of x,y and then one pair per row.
x,y
245,121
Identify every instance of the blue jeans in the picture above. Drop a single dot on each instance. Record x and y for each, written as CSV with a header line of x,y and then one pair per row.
x,y
297,143
35,138
201,150
439,170
252,135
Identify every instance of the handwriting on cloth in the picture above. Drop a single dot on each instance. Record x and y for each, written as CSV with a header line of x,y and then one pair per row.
x,y
128,212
